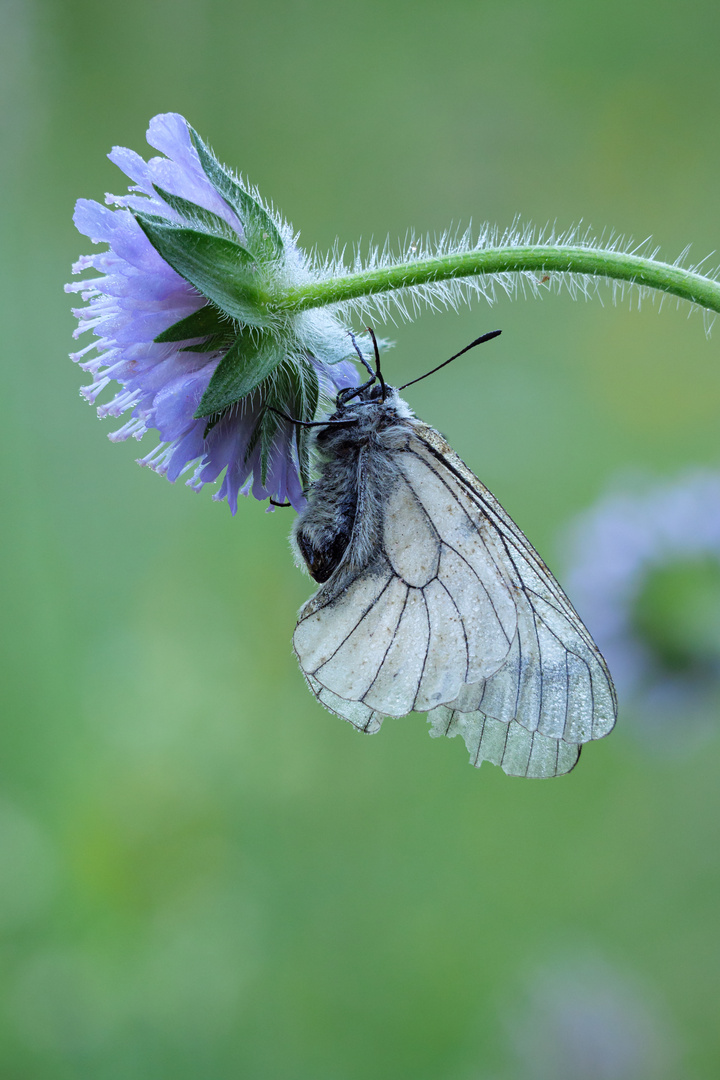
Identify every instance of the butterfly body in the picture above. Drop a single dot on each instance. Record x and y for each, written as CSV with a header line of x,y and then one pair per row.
x,y
342,525
431,599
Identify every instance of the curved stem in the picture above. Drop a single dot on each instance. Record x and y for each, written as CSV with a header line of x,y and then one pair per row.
x,y
557,258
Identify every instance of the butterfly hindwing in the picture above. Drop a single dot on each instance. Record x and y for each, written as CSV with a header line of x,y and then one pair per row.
x,y
516,750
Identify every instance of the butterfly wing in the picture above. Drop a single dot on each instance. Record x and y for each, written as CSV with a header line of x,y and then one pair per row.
x,y
456,615
414,626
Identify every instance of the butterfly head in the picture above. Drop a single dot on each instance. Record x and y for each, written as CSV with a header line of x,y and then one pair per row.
x,y
369,405
370,393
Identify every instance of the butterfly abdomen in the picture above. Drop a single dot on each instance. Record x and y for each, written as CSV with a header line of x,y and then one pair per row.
x,y
342,523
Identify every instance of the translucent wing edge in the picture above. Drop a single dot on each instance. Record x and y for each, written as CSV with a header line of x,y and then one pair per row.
x,y
361,716
516,750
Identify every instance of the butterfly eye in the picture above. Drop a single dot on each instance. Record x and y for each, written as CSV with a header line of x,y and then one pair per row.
x,y
323,435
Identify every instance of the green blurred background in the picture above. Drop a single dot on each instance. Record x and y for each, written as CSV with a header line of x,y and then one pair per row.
x,y
202,873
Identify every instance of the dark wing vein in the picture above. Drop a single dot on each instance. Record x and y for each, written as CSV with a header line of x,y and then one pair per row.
x,y
462,625
427,649
349,634
389,646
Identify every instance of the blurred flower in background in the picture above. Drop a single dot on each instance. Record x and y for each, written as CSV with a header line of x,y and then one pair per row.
x,y
644,574
584,1020
184,323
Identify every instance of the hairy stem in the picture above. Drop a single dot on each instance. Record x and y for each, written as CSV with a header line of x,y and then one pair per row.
x,y
546,258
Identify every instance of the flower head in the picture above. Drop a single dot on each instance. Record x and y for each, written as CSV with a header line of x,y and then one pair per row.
x,y
645,575
185,323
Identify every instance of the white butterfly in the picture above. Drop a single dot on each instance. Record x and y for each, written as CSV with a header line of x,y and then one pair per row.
x,y
431,598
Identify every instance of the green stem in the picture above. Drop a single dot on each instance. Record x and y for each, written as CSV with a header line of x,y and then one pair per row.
x,y
546,258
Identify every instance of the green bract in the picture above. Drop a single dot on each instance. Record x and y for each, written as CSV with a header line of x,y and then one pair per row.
x,y
263,238
220,269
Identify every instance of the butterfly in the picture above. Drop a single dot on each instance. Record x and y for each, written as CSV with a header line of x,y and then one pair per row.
x,y
432,600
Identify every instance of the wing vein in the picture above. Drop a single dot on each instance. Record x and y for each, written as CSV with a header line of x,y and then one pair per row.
x,y
539,666
427,648
462,625
349,634
390,645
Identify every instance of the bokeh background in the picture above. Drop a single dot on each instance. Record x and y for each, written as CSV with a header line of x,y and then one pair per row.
x,y
202,873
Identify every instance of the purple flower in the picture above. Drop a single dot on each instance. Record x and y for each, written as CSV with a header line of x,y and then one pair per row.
x,y
140,297
644,574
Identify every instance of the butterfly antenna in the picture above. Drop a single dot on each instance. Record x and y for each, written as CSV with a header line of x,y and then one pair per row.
x,y
477,341
353,391
363,361
310,423
378,372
